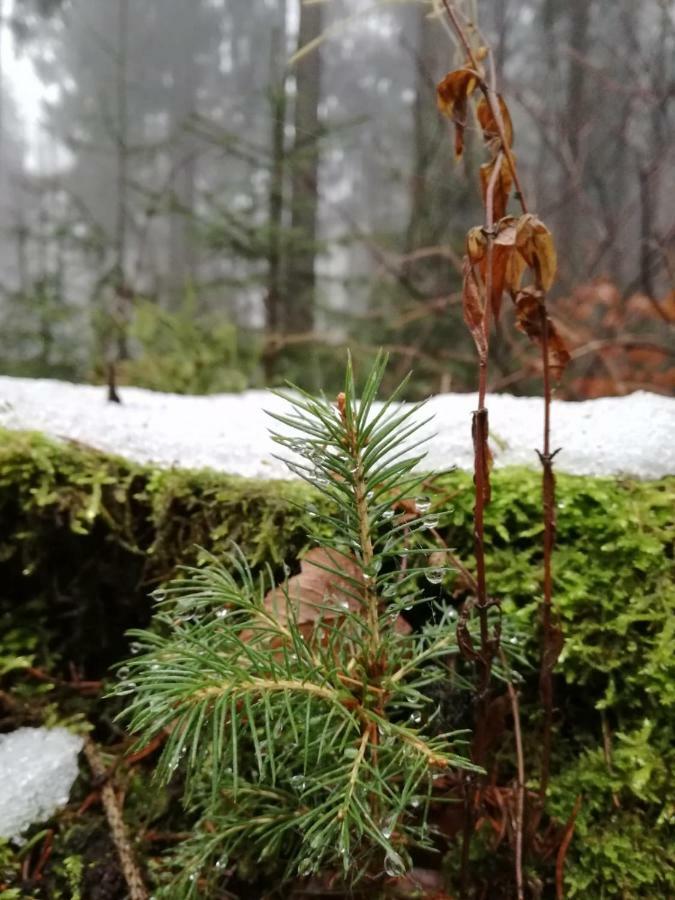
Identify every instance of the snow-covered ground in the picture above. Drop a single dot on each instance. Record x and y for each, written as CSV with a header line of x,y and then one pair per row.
x,y
37,769
632,435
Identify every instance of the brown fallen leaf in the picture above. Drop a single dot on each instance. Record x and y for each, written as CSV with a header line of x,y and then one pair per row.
x,y
330,585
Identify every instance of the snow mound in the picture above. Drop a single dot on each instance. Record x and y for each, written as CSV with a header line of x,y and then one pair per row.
x,y
37,769
632,436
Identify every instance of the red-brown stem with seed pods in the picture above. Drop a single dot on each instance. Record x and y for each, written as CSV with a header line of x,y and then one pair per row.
x,y
551,636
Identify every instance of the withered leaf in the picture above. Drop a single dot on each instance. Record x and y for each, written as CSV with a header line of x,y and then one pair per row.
x,y
317,593
488,123
329,585
453,94
530,318
472,305
502,188
535,244
503,251
476,244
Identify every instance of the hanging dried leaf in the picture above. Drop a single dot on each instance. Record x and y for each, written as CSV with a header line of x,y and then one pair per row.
x,y
530,318
535,244
503,250
502,188
488,123
472,305
476,245
329,585
453,94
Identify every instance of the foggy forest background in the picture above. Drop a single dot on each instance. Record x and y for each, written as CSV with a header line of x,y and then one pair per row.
x,y
205,214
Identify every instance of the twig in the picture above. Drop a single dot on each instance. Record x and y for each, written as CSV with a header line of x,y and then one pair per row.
x,y
562,851
489,91
520,786
118,829
45,853
548,494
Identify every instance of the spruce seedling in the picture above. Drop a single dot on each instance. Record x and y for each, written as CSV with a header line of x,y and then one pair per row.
x,y
300,713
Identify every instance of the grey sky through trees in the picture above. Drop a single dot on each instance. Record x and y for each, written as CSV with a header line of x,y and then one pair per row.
x,y
590,87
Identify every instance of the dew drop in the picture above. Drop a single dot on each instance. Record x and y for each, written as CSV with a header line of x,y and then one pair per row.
x,y
431,522
393,864
388,514
135,647
423,504
416,718
123,672
388,828
299,782
222,613
434,576
305,866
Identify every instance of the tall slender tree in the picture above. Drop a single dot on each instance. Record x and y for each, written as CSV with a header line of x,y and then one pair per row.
x,y
304,200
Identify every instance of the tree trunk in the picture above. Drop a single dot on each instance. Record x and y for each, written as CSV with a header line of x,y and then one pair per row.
x,y
274,299
301,282
184,163
118,348
571,236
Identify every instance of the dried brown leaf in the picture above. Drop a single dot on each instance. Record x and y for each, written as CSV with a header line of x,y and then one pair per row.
x,y
453,94
536,246
476,244
503,185
472,304
530,318
329,585
503,250
317,593
488,123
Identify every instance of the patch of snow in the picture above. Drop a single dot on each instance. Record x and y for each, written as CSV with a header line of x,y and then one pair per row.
x,y
37,769
632,435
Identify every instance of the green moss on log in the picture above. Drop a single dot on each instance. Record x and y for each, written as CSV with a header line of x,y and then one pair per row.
x,y
85,537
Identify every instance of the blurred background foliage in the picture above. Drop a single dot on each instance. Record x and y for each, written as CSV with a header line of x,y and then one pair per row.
x,y
178,194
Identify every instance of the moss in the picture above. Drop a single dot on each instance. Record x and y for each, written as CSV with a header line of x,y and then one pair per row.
x,y
85,537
